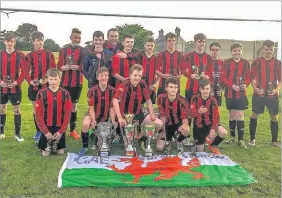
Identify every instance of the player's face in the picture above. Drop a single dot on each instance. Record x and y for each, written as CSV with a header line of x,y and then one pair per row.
x,y
170,43
54,82
10,44
268,51
215,50
135,77
38,43
75,38
200,44
98,41
236,53
103,78
128,44
171,89
149,47
205,92
113,37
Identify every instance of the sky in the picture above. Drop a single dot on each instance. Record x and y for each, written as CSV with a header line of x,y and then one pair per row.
x,y
58,27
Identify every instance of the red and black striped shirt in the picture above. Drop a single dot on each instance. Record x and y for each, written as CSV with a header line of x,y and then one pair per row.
x,y
194,60
71,78
175,111
131,98
169,63
101,101
53,109
211,117
38,63
12,67
122,66
264,71
214,71
149,68
233,74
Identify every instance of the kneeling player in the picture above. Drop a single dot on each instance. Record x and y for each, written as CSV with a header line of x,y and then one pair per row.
x,y
173,110
52,110
129,97
99,100
204,109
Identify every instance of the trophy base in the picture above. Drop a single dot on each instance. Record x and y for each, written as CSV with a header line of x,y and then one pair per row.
x,y
103,153
130,153
148,153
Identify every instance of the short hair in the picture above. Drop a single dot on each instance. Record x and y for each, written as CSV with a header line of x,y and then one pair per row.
x,y
172,81
9,36
169,35
136,67
149,39
199,36
204,82
102,69
37,35
75,30
235,45
127,36
111,30
216,44
268,43
53,72
98,34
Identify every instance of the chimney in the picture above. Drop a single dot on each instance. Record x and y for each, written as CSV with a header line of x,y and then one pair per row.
x,y
177,32
161,33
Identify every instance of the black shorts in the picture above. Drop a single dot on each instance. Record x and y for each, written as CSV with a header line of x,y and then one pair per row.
x,y
237,103
42,144
258,104
74,93
188,95
170,130
14,98
200,134
32,94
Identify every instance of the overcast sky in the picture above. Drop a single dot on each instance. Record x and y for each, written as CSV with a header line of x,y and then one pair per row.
x,y
58,27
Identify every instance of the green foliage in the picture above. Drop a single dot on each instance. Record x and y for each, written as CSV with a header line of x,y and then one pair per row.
x,y
50,44
23,32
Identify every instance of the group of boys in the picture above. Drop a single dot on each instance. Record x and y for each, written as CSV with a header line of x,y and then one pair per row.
x,y
122,79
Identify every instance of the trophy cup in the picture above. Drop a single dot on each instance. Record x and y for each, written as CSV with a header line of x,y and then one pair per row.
x,y
149,132
270,88
195,70
104,130
52,146
168,147
70,60
8,80
129,134
242,83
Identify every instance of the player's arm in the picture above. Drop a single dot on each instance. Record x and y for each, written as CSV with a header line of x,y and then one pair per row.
x,y
86,65
61,65
81,57
248,75
113,115
162,112
91,103
117,97
159,66
115,65
193,111
52,62
22,71
146,96
278,72
224,77
66,114
215,115
39,114
184,63
134,55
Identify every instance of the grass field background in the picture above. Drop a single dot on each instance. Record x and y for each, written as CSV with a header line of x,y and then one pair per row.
x,y
24,173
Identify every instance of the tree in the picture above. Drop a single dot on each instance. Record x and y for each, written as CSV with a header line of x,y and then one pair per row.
x,y
138,31
51,45
23,32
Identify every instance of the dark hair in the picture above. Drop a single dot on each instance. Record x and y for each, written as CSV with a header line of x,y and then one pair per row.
x,y
102,70
135,67
98,34
53,72
169,35
216,44
204,82
199,36
110,30
9,36
149,39
268,43
37,35
127,36
172,81
75,30
235,45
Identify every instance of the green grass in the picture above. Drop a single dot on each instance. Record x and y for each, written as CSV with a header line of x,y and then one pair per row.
x,y
24,173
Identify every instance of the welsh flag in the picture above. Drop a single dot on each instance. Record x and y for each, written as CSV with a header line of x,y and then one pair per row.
x,y
170,171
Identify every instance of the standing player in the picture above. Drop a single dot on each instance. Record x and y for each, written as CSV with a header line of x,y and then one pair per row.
x,y
266,82
70,63
174,113
236,77
12,68
38,62
53,108
204,109
100,106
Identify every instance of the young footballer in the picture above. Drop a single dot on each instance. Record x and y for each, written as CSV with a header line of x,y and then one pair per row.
x,y
52,113
12,74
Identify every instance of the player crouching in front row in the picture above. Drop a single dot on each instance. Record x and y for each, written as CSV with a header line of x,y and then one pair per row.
x,y
204,109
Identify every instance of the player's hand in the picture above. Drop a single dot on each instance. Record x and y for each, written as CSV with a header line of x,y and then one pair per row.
x,y
98,56
3,84
212,93
203,110
235,88
275,91
93,124
57,136
195,76
122,55
153,116
212,134
65,68
49,136
259,91
115,124
176,76
32,83
166,76
74,67
183,129
205,76
242,87
12,84
121,121
152,87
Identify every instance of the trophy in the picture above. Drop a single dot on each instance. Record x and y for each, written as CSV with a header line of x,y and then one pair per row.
x,y
195,70
168,147
8,80
149,132
129,134
242,83
70,60
104,130
52,146
270,88
173,72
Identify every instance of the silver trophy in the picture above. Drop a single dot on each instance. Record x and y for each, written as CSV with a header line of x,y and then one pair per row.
x,y
70,60
129,133
52,146
8,80
149,132
242,83
196,70
270,88
104,130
